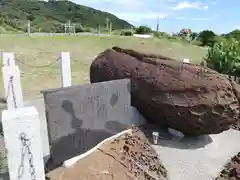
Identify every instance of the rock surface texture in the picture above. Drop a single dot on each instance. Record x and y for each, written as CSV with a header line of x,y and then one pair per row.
x,y
232,170
189,98
130,156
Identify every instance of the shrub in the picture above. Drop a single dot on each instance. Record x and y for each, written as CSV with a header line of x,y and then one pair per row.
x,y
172,37
126,33
143,30
156,34
79,28
87,29
185,32
194,36
207,38
234,34
161,34
224,57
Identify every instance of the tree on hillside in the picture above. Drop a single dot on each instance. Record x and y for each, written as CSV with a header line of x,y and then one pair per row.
x,y
194,35
185,32
45,14
234,34
143,30
30,17
207,38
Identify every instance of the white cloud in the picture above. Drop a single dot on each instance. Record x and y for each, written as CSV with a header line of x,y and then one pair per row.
x,y
202,18
140,16
147,11
214,2
127,2
188,5
208,18
205,7
179,17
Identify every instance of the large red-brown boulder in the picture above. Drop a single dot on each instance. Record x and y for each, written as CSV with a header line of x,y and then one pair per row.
x,y
189,98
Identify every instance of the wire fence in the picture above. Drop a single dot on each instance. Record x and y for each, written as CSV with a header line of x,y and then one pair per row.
x,y
73,60
39,71
39,66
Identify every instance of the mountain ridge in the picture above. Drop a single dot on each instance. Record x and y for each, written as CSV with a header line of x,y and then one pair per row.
x,y
50,16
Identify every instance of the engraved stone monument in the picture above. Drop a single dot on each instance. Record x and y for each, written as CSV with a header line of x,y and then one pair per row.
x,y
21,128
80,117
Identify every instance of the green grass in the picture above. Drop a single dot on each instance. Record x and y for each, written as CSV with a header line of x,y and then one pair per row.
x,y
39,51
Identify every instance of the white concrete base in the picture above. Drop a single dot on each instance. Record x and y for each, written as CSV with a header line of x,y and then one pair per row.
x,y
200,158
22,137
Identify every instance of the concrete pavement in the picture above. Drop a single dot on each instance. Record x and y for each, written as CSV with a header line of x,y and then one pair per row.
x,y
198,158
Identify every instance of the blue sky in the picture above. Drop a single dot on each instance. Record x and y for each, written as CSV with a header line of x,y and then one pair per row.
x,y
218,15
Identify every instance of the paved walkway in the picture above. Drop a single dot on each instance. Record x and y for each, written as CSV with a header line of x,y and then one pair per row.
x,y
198,158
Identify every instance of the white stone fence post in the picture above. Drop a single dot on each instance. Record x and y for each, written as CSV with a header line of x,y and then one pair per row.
x,y
66,69
21,129
12,81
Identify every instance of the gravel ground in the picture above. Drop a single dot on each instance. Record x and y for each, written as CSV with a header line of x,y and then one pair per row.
x,y
231,171
128,157
3,159
236,126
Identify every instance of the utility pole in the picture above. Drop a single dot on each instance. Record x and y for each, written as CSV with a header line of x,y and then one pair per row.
x,y
158,24
110,27
29,27
73,28
69,27
99,29
131,29
107,22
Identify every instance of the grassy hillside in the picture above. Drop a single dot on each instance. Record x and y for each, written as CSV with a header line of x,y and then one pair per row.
x,y
52,15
